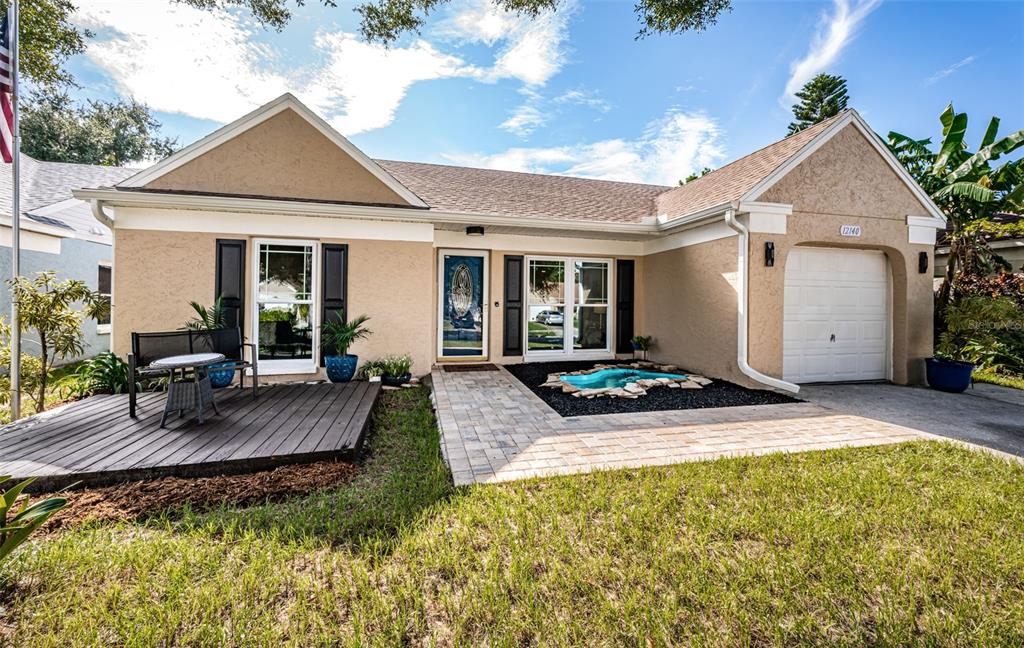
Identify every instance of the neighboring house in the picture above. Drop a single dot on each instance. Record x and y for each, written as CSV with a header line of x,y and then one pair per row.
x,y
58,233
291,223
1010,248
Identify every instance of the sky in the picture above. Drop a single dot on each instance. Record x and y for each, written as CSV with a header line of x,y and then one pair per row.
x,y
572,92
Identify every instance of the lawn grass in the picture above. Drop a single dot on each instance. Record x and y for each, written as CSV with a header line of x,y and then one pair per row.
x,y
1015,382
911,544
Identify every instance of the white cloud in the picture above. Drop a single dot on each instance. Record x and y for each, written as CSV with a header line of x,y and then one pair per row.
x,y
945,72
208,65
528,117
834,33
531,49
668,149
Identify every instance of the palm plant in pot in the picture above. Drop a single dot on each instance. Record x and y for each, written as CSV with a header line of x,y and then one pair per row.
x,y
337,337
212,319
643,344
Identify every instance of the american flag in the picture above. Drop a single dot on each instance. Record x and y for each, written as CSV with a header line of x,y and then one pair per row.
x,y
6,88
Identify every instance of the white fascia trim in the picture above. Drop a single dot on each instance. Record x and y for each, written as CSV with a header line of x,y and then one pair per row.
x,y
667,224
750,206
258,116
39,228
556,245
926,221
117,198
850,117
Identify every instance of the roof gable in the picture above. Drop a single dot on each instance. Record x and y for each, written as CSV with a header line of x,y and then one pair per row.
x,y
280,150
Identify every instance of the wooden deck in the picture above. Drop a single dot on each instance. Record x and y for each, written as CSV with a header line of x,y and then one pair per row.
x,y
95,442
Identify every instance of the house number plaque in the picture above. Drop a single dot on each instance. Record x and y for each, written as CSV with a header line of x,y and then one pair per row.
x,y
849,230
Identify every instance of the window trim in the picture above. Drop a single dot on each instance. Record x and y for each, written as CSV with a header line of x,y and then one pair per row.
x,y
569,304
287,367
105,328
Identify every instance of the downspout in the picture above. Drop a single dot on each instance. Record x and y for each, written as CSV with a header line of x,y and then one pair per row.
x,y
743,298
99,214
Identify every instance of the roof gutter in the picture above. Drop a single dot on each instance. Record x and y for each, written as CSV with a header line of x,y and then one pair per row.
x,y
114,197
743,294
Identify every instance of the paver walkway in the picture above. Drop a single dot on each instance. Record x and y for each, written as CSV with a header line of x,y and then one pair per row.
x,y
493,428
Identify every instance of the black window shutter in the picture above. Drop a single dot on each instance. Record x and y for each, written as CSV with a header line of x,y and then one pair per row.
x,y
230,281
512,340
335,286
624,306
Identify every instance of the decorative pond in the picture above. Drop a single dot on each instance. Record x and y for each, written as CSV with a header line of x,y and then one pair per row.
x,y
612,378
623,380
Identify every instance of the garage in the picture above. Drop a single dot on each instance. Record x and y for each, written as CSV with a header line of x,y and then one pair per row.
x,y
836,315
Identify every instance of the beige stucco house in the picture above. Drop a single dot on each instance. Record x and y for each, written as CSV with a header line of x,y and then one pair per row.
x,y
806,261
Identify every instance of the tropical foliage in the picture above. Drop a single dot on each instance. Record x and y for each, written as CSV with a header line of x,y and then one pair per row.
x,y
822,97
113,133
342,334
105,374
207,318
47,309
985,331
18,522
969,187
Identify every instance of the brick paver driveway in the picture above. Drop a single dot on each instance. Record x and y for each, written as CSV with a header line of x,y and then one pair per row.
x,y
493,428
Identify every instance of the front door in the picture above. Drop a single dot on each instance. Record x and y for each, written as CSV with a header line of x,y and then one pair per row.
x,y
462,311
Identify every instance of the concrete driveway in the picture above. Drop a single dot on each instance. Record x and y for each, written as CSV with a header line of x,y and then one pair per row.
x,y
986,414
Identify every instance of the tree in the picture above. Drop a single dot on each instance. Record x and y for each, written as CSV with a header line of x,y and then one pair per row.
x,y
822,97
693,176
48,38
114,133
45,308
385,21
968,189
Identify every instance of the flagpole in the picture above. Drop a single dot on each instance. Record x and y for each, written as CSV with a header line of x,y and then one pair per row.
x,y
15,222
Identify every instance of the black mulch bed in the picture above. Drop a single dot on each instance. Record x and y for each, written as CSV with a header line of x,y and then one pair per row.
x,y
718,394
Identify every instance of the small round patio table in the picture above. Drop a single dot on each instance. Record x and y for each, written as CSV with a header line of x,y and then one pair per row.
x,y
183,394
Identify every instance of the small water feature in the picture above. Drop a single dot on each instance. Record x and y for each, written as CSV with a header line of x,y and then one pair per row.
x,y
615,377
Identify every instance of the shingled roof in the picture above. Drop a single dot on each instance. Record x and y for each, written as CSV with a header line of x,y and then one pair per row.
x,y
732,181
528,195
45,183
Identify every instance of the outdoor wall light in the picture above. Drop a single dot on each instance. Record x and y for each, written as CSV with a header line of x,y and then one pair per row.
x,y
474,230
769,254
922,262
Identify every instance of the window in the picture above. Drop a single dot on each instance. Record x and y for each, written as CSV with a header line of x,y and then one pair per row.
x,y
568,315
103,283
285,313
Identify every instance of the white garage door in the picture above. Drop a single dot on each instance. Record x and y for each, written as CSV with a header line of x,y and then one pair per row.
x,y
836,315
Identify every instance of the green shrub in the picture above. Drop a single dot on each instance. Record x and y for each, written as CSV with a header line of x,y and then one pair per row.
x,y
16,525
340,335
985,331
104,374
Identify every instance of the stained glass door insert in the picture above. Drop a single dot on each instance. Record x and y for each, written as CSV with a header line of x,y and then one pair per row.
x,y
463,328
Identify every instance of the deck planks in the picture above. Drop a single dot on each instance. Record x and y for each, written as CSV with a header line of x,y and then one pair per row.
x,y
94,441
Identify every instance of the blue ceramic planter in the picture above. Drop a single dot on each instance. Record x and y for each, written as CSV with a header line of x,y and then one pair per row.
x,y
221,377
341,368
948,376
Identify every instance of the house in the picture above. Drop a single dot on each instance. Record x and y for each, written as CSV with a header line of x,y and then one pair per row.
x,y
59,233
808,260
1009,247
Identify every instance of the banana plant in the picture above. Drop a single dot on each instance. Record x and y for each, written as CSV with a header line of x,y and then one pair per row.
x,y
968,187
16,525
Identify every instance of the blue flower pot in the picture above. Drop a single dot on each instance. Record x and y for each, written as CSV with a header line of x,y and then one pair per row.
x,y
221,377
948,376
341,368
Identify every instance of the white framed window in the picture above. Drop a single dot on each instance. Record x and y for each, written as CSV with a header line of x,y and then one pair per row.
x,y
568,307
104,286
285,311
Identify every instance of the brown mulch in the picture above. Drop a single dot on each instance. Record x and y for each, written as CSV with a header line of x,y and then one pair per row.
x,y
140,499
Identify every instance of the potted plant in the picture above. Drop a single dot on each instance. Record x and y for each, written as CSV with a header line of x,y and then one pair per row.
x,y
396,370
337,337
642,343
373,371
212,319
975,325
